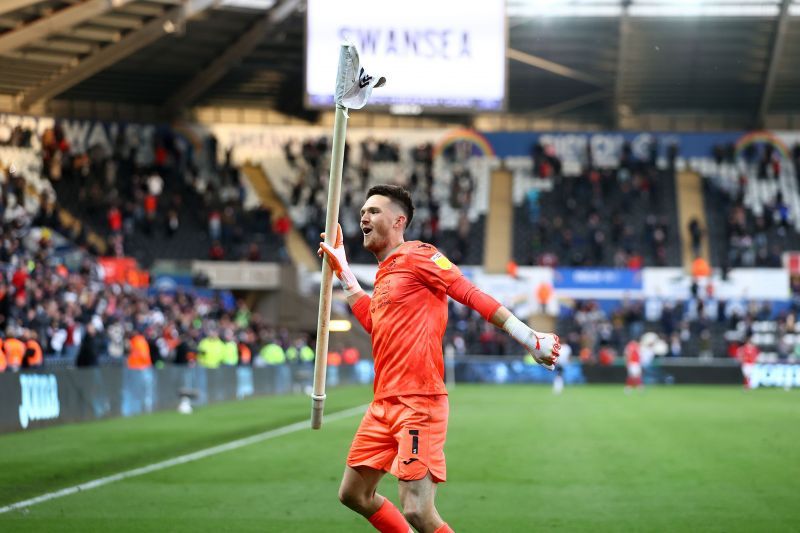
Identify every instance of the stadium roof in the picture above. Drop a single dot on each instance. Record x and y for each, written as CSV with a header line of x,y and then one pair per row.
x,y
592,58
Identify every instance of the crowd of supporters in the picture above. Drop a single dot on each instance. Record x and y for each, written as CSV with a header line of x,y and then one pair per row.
x,y
689,328
702,326
759,223
154,191
383,161
71,313
601,217
589,220
56,306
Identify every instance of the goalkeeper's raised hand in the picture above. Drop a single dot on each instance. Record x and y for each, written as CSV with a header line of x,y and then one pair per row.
x,y
544,347
338,262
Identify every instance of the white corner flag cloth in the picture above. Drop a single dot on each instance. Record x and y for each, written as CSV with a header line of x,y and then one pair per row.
x,y
353,85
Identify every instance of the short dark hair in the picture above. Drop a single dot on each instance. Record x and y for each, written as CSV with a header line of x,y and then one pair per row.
x,y
398,195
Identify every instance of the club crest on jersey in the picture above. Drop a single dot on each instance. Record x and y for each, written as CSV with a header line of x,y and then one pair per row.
x,y
441,261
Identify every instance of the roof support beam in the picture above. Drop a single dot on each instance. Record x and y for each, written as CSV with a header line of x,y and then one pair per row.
x,y
622,60
93,34
555,68
43,56
66,46
568,105
776,52
7,6
105,57
58,21
245,44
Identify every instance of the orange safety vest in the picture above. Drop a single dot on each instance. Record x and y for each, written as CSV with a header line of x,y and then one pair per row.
x,y
512,269
334,359
36,359
543,293
139,357
15,351
245,355
700,268
3,364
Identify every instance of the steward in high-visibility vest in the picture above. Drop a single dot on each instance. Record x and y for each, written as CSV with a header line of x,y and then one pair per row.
x,y
230,353
209,352
15,352
272,354
139,356
300,352
307,354
292,354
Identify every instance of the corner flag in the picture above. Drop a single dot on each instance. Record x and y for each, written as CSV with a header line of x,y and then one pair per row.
x,y
354,86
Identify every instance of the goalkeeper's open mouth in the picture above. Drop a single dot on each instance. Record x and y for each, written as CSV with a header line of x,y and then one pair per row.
x,y
366,231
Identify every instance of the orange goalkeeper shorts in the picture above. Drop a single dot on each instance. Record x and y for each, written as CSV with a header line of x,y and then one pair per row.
x,y
403,435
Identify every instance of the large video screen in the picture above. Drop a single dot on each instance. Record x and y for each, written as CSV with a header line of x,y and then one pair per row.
x,y
435,54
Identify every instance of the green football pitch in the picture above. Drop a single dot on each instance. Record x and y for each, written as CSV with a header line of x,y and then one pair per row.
x,y
519,459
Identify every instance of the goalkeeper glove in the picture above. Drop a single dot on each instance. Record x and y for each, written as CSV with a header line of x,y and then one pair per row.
x,y
544,347
338,263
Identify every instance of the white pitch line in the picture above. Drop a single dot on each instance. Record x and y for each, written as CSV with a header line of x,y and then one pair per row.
x,y
202,454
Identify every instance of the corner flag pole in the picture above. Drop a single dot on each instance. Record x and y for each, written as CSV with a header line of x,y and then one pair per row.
x,y
353,89
326,286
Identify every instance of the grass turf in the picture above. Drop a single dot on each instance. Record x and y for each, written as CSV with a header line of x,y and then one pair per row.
x,y
519,459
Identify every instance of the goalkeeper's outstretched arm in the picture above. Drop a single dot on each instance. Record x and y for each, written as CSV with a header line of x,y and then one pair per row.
x,y
544,347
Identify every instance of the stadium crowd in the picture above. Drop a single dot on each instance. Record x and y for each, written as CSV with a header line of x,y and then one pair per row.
x,y
702,326
50,311
384,161
751,190
154,192
74,314
601,217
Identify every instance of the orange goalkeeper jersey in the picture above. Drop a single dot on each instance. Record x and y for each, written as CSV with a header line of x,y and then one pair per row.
x,y
408,315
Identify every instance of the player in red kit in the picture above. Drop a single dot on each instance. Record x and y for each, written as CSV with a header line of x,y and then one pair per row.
x,y
633,364
747,354
403,431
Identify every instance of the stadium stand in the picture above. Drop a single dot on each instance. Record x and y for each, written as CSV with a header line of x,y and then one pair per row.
x,y
53,292
754,203
173,207
621,217
449,193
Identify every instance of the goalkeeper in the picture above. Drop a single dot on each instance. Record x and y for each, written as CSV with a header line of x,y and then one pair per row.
x,y
403,431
